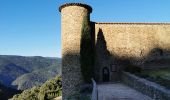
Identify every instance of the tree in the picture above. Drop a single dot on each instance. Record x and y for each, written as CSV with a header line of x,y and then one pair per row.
x,y
86,51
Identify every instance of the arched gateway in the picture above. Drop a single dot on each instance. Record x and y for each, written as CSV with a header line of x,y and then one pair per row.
x,y
106,74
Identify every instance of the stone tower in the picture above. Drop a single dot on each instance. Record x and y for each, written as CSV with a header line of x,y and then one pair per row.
x,y
116,45
72,15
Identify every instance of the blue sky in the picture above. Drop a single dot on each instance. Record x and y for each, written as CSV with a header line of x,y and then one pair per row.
x,y
32,27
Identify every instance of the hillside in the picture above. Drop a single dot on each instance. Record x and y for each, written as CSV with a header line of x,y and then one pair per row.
x,y
17,71
37,77
6,92
47,91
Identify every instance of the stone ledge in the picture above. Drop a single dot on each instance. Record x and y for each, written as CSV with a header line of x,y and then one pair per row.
x,y
89,8
131,23
151,89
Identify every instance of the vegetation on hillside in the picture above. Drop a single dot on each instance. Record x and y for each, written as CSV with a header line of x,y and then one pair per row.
x,y
49,90
23,69
37,77
87,51
6,92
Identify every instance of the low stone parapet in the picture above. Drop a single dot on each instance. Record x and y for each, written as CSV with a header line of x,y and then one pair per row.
x,y
151,89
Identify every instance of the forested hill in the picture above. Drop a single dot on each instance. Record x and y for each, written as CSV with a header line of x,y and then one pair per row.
x,y
6,92
19,72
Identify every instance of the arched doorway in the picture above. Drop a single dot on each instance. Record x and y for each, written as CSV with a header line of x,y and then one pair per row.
x,y
106,74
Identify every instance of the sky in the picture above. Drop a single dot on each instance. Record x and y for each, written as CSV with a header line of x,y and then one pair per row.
x,y
33,27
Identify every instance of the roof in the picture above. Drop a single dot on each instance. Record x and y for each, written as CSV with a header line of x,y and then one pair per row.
x,y
89,8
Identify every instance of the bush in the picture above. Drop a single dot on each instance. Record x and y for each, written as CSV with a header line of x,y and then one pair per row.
x,y
162,81
50,89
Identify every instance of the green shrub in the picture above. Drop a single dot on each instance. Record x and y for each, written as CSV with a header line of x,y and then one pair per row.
x,y
162,81
49,90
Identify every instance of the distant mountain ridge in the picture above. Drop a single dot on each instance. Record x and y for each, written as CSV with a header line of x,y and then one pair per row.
x,y
20,72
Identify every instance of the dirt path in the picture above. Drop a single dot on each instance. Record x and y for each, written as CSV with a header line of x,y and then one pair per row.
x,y
119,91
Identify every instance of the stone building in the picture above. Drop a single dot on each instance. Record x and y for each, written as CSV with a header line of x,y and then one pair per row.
x,y
116,44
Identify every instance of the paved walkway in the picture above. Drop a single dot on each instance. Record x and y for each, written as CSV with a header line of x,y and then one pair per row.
x,y
119,91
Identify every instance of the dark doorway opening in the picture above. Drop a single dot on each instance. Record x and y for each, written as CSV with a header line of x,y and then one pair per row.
x,y
105,74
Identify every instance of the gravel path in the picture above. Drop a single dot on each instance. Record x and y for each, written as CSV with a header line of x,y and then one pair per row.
x,y
119,91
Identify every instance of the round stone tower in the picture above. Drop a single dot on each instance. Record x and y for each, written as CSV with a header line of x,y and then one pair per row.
x,y
72,15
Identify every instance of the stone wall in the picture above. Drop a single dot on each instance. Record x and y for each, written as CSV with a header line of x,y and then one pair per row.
x,y
71,23
128,41
151,89
134,39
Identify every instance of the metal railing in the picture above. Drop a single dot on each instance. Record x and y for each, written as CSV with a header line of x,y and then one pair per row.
x,y
94,92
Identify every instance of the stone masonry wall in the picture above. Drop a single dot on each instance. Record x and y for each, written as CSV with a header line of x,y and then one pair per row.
x,y
127,41
71,22
155,91
134,39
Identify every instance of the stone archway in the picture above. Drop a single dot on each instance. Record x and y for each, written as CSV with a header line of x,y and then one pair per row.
x,y
106,74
